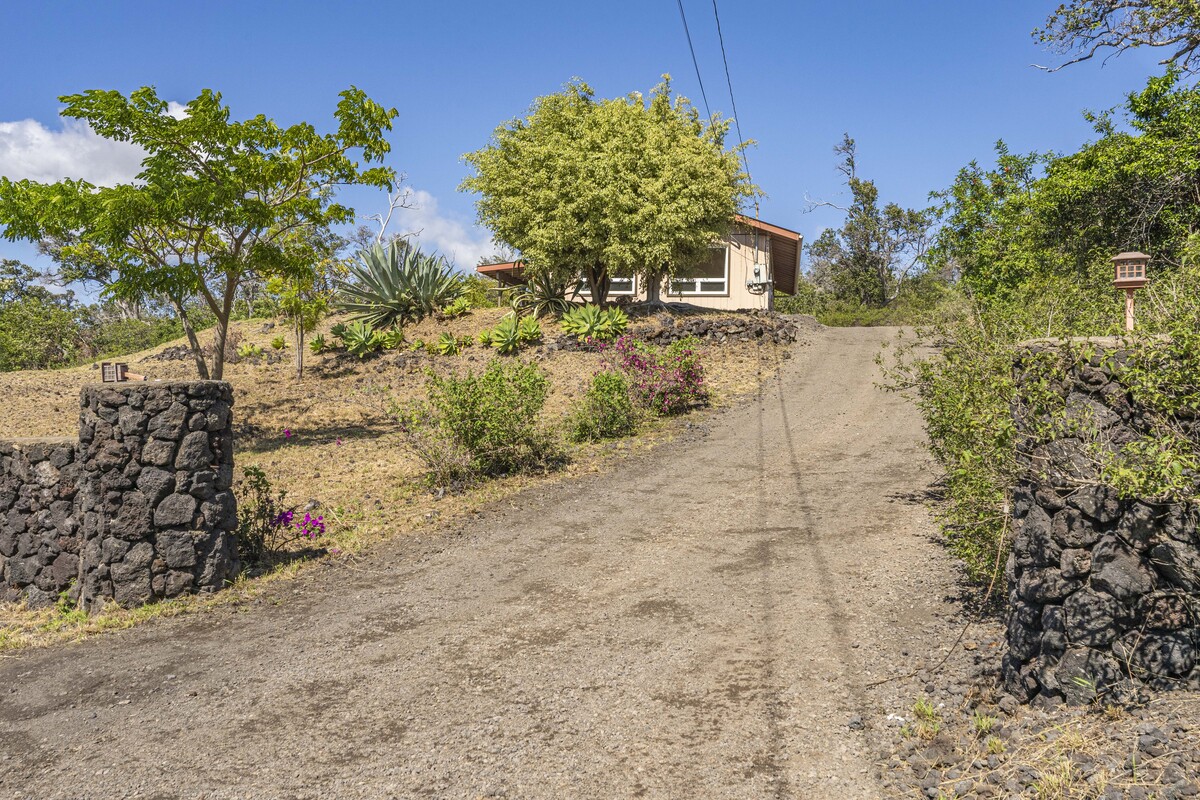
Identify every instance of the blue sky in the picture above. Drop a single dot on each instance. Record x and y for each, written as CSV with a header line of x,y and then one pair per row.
x,y
924,86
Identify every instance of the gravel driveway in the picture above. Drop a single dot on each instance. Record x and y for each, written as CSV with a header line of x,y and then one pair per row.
x,y
702,623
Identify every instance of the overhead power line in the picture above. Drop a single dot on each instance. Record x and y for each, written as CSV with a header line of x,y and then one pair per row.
x,y
695,63
737,120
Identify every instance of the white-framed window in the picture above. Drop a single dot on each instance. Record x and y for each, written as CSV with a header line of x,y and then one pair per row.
x,y
616,287
711,277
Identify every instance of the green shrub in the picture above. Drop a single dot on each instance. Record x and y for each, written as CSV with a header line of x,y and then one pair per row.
x,y
278,343
484,424
317,344
960,372
456,309
590,322
36,334
923,299
249,350
480,292
606,411
118,337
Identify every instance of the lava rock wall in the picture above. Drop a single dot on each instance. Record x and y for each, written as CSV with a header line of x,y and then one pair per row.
x,y
1104,592
39,545
150,511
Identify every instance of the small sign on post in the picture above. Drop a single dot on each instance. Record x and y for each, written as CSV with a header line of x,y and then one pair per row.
x,y
115,372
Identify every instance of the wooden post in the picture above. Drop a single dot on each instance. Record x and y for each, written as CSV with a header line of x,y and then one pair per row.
x,y
1129,310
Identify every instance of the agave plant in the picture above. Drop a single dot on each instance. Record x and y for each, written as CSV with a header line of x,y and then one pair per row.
x,y
361,339
448,345
506,337
393,284
318,344
392,339
529,330
592,322
541,296
248,350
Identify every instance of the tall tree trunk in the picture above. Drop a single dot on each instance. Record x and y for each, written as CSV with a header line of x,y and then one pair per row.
x,y
298,327
598,283
222,332
220,336
193,340
654,289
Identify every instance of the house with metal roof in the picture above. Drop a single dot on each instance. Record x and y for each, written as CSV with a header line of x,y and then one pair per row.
x,y
743,272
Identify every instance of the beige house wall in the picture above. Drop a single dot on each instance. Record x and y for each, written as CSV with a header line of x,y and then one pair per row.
x,y
740,254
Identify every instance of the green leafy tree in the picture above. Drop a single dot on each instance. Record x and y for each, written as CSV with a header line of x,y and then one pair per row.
x,y
1083,29
19,282
37,333
217,201
876,250
302,304
1136,187
597,188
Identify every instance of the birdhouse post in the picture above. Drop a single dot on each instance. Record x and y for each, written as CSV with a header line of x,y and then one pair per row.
x,y
1129,273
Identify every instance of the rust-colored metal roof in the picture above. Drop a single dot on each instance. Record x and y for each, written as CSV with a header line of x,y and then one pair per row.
x,y
786,246
506,273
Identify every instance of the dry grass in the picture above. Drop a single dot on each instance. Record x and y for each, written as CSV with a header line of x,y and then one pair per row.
x,y
343,452
1077,754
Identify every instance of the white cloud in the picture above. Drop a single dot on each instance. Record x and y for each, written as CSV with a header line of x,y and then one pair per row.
x,y
28,149
463,244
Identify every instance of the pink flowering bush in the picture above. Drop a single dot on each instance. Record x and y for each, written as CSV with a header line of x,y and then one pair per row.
x,y
266,525
666,381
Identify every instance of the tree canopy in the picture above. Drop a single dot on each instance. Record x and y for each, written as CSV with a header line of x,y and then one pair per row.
x,y
1136,187
876,249
1084,29
601,188
217,201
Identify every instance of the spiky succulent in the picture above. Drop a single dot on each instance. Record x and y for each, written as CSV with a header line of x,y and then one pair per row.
x,y
506,337
393,284
592,322
361,339
541,296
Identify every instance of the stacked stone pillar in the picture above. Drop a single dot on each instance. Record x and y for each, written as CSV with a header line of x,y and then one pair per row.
x,y
146,510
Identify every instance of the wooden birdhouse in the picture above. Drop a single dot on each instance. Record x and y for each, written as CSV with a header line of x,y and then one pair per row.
x,y
1129,270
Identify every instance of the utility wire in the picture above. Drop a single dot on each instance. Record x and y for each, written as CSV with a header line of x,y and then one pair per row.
x,y
737,120
695,63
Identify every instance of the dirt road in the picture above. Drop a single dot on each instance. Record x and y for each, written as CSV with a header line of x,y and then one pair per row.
x,y
702,623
